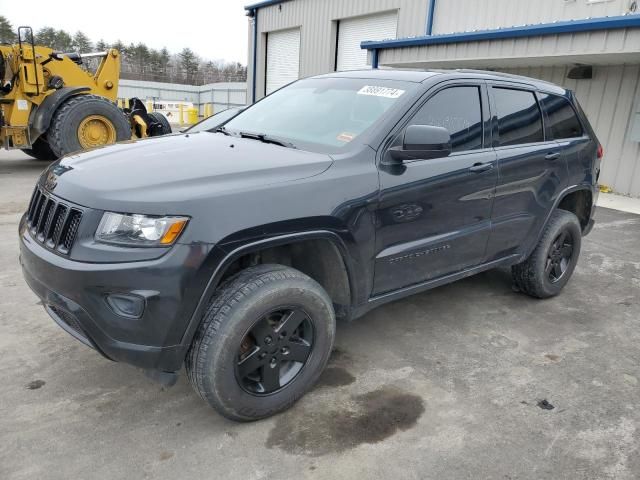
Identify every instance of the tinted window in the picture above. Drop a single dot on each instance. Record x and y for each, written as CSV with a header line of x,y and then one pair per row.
x,y
519,118
458,110
562,118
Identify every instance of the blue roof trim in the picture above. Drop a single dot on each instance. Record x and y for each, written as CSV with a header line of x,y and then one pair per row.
x,y
266,3
590,24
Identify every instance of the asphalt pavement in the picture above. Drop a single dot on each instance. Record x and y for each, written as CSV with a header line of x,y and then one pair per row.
x,y
467,381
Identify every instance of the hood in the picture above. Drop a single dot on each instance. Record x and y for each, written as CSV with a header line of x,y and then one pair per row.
x,y
175,169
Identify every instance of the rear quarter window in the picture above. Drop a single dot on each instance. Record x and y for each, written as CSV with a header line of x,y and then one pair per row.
x,y
562,118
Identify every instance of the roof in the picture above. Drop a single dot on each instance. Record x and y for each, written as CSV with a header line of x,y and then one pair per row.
x,y
542,29
419,76
384,74
265,3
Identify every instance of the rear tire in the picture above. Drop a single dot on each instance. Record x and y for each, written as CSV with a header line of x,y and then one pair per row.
x,y
162,120
69,122
40,150
242,325
550,266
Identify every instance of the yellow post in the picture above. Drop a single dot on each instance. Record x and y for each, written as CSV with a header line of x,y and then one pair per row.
x,y
181,113
208,110
192,115
149,106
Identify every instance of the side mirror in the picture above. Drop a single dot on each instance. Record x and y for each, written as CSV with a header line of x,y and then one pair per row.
x,y
422,142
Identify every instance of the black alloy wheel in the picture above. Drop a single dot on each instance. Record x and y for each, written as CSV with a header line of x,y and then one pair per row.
x,y
559,257
274,350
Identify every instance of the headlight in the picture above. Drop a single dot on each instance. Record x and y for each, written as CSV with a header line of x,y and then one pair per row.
x,y
139,230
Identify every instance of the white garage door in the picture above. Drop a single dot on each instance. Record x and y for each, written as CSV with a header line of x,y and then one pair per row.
x,y
283,58
353,31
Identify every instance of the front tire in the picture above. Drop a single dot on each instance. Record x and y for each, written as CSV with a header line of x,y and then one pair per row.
x,y
84,122
40,150
264,341
548,269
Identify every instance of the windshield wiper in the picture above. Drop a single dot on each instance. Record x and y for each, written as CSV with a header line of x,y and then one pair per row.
x,y
267,139
223,130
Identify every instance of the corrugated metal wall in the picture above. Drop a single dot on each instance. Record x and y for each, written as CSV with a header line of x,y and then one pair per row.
x,y
583,47
466,15
609,99
221,95
317,19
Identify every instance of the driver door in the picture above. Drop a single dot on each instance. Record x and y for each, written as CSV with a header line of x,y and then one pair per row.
x,y
434,215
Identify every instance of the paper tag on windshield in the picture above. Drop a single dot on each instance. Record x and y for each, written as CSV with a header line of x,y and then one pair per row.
x,y
380,91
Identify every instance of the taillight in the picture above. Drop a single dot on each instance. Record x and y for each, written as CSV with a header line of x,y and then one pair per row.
x,y
600,152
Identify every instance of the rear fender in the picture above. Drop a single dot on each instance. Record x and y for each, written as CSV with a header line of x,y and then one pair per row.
x,y
563,194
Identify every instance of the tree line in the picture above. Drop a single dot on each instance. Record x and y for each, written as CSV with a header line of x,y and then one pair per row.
x,y
138,61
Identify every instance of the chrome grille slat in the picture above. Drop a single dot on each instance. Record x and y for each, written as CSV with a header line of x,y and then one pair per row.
x,y
32,204
38,211
52,222
44,218
61,218
71,230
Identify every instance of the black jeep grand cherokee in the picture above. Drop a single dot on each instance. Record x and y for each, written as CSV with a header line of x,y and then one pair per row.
x,y
233,251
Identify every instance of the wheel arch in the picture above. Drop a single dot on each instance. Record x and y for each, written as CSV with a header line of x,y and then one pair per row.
x,y
568,199
43,115
578,201
337,278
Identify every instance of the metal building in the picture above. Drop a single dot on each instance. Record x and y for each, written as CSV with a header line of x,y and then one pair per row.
x,y
546,39
220,95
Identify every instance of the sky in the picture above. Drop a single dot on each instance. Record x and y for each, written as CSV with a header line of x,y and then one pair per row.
x,y
214,30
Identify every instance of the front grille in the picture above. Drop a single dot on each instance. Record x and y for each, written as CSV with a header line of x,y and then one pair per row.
x,y
53,223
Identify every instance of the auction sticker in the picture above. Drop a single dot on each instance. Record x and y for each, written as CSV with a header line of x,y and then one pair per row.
x,y
385,92
346,137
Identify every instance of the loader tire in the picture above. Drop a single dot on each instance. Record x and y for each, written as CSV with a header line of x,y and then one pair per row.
x,y
40,150
162,120
84,122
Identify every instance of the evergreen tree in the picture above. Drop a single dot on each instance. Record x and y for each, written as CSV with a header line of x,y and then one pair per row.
x,y
63,41
7,35
81,43
190,64
138,61
46,37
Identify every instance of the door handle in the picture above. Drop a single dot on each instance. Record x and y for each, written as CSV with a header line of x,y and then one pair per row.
x,y
552,156
481,167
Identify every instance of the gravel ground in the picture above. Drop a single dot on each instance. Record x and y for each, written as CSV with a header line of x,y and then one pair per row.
x,y
491,385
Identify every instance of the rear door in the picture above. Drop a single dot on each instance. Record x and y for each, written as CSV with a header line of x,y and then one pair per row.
x,y
433,217
531,170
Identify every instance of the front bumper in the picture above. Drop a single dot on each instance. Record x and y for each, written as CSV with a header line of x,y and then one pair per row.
x,y
74,294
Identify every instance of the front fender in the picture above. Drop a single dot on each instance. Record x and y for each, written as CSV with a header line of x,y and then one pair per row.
x,y
44,113
220,259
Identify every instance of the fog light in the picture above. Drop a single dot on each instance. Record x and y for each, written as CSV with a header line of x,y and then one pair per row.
x,y
129,306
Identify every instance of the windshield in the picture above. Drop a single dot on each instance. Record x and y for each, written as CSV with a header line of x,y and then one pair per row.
x,y
322,114
214,121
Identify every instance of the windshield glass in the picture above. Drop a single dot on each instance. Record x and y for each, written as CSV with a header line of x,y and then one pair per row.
x,y
322,114
214,121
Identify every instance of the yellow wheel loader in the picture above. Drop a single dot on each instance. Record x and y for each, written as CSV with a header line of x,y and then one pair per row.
x,y
51,106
